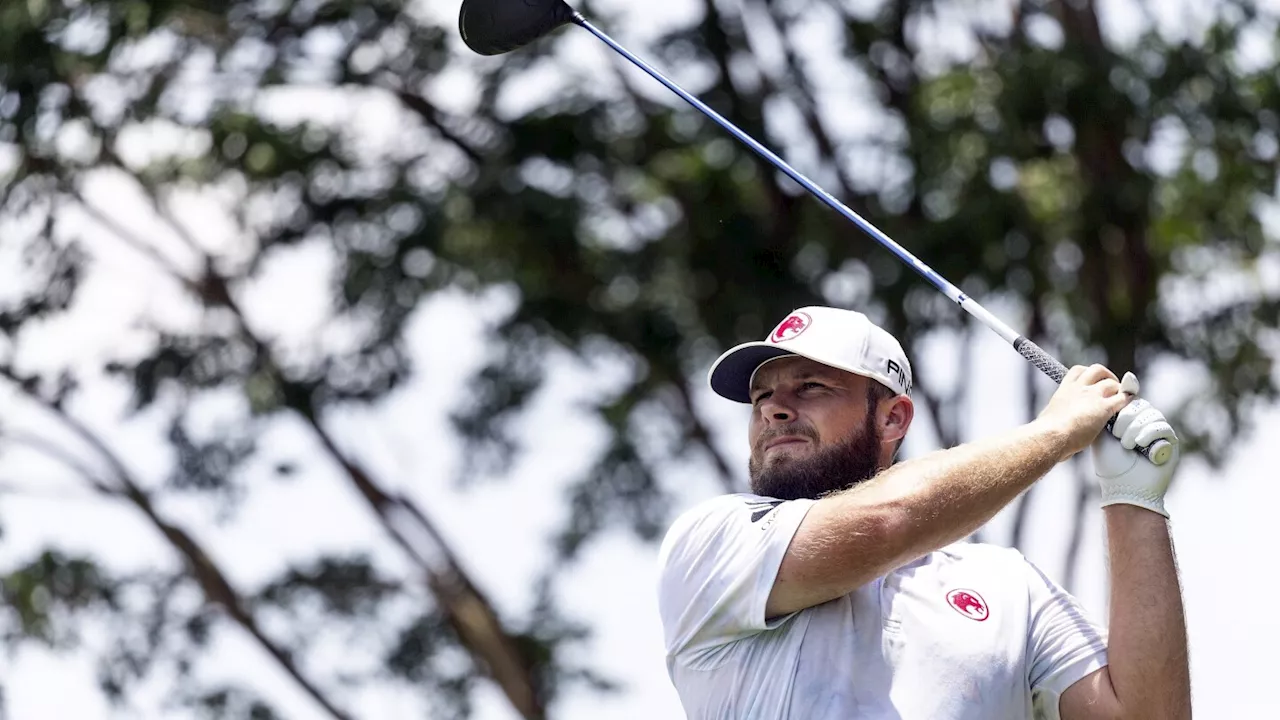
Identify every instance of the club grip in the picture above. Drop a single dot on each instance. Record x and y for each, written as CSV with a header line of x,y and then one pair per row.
x,y
1157,452
1043,361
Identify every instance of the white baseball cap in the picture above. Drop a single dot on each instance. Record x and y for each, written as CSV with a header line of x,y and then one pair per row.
x,y
843,339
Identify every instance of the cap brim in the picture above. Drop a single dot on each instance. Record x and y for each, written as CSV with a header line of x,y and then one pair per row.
x,y
730,377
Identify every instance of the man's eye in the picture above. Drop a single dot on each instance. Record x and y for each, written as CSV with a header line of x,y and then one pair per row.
x,y
761,396
811,385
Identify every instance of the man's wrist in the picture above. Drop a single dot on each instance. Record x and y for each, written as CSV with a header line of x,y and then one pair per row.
x,y
1127,510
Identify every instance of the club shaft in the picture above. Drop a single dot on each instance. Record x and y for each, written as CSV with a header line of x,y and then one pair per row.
x,y
879,236
1043,361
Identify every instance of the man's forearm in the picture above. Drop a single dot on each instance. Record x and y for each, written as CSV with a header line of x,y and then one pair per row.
x,y
850,538
945,496
922,504
1147,645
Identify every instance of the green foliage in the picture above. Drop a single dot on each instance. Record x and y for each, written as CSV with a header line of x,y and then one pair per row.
x,y
422,657
40,595
342,586
1102,189
230,702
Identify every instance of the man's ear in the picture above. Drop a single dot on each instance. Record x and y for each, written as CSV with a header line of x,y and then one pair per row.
x,y
896,414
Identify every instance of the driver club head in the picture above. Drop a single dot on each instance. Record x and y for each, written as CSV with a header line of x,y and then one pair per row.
x,y
493,27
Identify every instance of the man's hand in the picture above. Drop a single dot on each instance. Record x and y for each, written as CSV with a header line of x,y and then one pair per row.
x,y
1124,475
1084,401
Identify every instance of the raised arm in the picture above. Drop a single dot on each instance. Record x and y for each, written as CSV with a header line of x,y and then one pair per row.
x,y
849,538
1148,673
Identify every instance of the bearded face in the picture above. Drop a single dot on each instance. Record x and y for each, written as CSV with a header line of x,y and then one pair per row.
x,y
824,470
817,429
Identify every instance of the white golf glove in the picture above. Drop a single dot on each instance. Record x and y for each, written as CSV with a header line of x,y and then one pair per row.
x,y
1124,475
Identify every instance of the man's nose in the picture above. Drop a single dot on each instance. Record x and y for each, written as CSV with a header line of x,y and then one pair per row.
x,y
777,411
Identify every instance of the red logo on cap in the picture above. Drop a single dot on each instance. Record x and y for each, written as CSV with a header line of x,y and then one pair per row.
x,y
969,604
795,324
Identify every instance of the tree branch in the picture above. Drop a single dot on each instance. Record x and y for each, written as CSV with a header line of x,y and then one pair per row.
x,y
699,434
55,452
1084,495
1121,292
934,405
944,411
18,489
130,239
470,613
806,102
781,204
1030,376
213,581
717,43
431,116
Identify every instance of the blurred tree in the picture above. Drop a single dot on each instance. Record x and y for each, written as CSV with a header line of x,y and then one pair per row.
x,y
1108,190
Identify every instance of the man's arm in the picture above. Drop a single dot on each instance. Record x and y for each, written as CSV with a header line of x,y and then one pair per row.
x,y
850,538
1148,675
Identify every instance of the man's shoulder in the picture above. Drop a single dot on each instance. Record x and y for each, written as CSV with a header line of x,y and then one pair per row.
x,y
710,509
718,520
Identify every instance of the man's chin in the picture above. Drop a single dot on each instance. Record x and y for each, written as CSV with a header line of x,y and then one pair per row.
x,y
804,472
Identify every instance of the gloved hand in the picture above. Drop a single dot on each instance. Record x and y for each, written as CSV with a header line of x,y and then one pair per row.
x,y
1124,475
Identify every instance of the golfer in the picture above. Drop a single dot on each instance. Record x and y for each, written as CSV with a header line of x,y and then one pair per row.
x,y
841,587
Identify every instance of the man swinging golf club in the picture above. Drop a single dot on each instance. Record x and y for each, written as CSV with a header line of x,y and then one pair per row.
x,y
840,586
837,588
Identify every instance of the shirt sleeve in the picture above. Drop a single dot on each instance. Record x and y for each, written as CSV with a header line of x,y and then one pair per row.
x,y
1063,643
718,563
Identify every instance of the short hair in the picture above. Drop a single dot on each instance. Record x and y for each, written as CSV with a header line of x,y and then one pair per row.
x,y
877,391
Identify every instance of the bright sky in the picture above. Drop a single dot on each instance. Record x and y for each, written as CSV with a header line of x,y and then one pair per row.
x,y
499,528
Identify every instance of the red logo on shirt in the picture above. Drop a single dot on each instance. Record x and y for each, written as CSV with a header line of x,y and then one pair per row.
x,y
795,324
969,604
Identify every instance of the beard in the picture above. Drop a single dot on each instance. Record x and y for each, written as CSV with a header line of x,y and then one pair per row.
x,y
827,470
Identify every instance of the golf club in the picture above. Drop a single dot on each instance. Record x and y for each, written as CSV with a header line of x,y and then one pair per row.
x,y
493,27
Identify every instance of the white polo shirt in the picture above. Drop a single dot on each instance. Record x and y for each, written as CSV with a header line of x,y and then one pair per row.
x,y
970,631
